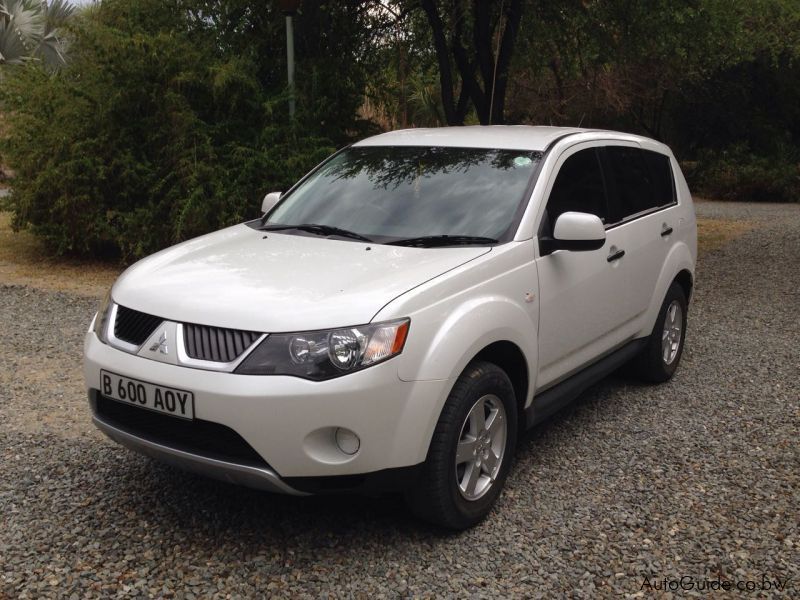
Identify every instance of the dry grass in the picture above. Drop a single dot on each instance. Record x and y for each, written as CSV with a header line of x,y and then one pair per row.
x,y
24,261
715,233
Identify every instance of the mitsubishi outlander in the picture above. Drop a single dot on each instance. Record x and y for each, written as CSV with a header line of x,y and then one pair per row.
x,y
396,319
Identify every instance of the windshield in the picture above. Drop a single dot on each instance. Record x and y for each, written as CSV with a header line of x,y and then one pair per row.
x,y
394,192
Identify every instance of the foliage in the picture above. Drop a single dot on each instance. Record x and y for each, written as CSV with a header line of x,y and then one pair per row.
x,y
760,109
170,119
403,87
31,30
705,76
737,174
163,127
478,39
622,64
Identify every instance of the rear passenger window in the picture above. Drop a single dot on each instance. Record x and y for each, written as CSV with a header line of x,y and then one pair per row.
x,y
641,180
631,181
578,187
661,174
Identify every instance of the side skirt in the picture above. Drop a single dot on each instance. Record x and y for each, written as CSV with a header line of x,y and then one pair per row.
x,y
560,395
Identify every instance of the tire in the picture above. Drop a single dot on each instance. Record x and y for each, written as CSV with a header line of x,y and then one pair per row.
x,y
656,363
458,496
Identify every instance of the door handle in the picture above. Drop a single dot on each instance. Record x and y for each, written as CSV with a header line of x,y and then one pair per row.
x,y
666,231
616,255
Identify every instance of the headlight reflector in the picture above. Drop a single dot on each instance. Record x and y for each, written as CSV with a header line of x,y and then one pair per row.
x,y
320,355
344,349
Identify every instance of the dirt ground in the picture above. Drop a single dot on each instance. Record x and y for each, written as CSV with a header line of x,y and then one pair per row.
x,y
25,261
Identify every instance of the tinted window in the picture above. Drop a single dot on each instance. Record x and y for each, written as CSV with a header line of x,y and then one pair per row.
x,y
661,175
631,181
578,187
408,191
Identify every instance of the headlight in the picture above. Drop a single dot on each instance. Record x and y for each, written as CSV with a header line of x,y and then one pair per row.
x,y
101,319
322,355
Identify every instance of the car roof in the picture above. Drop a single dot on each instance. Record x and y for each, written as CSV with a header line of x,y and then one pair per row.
x,y
504,137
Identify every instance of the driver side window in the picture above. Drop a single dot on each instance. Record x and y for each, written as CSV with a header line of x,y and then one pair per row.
x,y
578,187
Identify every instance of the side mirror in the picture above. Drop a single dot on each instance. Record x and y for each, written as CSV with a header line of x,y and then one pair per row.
x,y
269,201
578,231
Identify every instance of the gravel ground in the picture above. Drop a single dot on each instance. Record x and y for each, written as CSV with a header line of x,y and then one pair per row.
x,y
632,484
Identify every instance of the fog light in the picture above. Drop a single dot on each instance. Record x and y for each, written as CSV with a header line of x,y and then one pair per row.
x,y
348,442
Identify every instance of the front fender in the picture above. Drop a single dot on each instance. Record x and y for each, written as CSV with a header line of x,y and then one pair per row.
x,y
449,344
454,317
445,347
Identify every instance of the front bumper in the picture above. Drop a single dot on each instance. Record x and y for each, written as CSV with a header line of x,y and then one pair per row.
x,y
288,421
261,478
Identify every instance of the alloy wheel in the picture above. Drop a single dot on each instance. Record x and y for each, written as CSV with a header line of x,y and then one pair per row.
x,y
673,330
481,447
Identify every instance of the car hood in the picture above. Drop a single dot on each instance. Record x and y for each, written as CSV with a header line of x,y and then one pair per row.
x,y
246,279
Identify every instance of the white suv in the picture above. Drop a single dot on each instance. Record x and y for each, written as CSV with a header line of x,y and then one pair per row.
x,y
398,317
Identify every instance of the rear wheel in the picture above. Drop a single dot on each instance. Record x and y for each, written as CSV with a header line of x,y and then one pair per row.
x,y
660,358
471,450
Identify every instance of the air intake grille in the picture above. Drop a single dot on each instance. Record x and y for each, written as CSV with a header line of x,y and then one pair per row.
x,y
133,326
215,343
197,437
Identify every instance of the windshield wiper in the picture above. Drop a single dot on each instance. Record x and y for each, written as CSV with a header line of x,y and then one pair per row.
x,y
430,241
318,230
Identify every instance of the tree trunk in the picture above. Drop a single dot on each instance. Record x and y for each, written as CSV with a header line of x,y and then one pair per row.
x,y
443,57
513,17
486,89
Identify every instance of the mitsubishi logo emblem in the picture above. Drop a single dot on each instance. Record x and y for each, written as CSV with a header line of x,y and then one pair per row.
x,y
161,344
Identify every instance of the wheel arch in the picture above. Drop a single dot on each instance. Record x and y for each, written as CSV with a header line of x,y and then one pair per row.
x,y
510,358
491,328
685,279
678,266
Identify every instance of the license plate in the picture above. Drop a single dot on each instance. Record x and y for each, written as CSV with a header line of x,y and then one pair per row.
x,y
167,400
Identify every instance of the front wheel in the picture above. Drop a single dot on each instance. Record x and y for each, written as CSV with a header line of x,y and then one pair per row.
x,y
471,450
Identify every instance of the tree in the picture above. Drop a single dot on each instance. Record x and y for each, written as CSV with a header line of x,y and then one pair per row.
x,y
31,30
170,120
626,65
482,60
332,43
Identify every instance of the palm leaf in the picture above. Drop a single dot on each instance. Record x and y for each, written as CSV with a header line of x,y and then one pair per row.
x,y
31,30
27,19
52,50
12,50
57,14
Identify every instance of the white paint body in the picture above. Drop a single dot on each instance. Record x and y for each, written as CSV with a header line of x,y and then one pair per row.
x,y
563,311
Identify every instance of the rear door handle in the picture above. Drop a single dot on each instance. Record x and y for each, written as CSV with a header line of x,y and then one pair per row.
x,y
616,255
666,231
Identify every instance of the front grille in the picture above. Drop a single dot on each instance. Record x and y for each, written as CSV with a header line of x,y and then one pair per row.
x,y
202,438
215,343
133,326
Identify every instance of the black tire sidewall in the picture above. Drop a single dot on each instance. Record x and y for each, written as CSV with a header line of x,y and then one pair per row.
x,y
656,357
492,380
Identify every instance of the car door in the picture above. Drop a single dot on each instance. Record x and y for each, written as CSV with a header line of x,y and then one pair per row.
x,y
643,204
582,312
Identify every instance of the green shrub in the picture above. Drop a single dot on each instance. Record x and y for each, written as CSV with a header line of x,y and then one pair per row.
x,y
150,136
737,174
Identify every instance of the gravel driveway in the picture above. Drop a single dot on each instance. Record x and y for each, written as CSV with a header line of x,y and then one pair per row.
x,y
631,485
